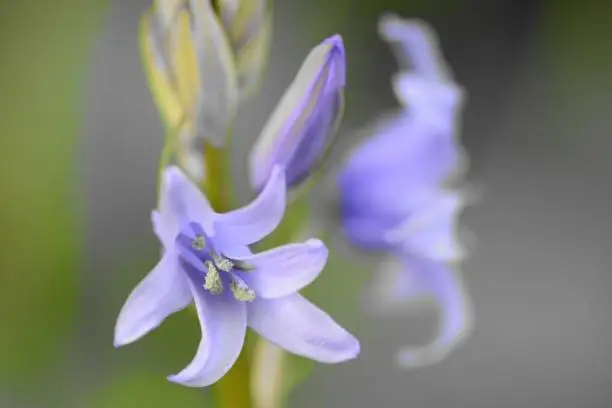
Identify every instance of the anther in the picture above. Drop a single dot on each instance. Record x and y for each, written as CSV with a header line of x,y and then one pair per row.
x,y
241,291
198,243
222,263
212,280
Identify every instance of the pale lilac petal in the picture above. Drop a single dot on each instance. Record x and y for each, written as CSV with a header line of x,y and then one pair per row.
x,y
163,230
166,220
366,232
300,327
403,154
416,45
436,104
182,202
397,287
456,321
285,270
253,222
387,180
165,290
431,230
223,324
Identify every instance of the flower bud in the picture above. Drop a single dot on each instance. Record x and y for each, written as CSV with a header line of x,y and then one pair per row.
x,y
191,67
248,25
305,120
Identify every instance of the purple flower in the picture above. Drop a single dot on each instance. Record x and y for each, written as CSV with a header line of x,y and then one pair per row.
x,y
392,188
395,178
305,119
396,173
207,261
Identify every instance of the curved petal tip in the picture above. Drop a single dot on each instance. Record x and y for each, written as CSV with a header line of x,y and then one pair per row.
x,y
335,41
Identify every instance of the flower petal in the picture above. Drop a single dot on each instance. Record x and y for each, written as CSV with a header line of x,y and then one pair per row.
x,y
366,232
161,229
396,287
182,202
285,270
456,323
431,230
403,154
435,104
300,327
223,324
416,45
258,219
164,291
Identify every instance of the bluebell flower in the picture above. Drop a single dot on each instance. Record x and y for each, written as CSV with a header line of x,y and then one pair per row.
x,y
206,260
394,194
306,118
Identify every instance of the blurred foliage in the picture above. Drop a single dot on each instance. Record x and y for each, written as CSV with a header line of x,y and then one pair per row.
x,y
46,46
144,389
577,37
575,63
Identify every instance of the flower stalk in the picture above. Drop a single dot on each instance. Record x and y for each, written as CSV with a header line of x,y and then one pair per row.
x,y
233,390
218,181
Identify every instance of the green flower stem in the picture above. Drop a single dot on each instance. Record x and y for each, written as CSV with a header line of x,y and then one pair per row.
x,y
233,390
217,181
170,143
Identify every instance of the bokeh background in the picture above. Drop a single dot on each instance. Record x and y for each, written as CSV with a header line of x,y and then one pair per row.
x,y
79,143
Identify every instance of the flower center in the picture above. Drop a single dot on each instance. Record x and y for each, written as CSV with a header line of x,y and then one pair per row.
x,y
218,271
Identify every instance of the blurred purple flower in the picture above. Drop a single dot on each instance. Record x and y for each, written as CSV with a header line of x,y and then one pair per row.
x,y
392,188
306,118
207,261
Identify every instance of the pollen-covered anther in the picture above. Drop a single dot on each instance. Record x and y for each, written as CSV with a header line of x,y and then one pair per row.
x,y
222,263
198,243
241,291
212,280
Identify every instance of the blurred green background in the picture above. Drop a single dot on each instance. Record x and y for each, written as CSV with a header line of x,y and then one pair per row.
x,y
78,148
